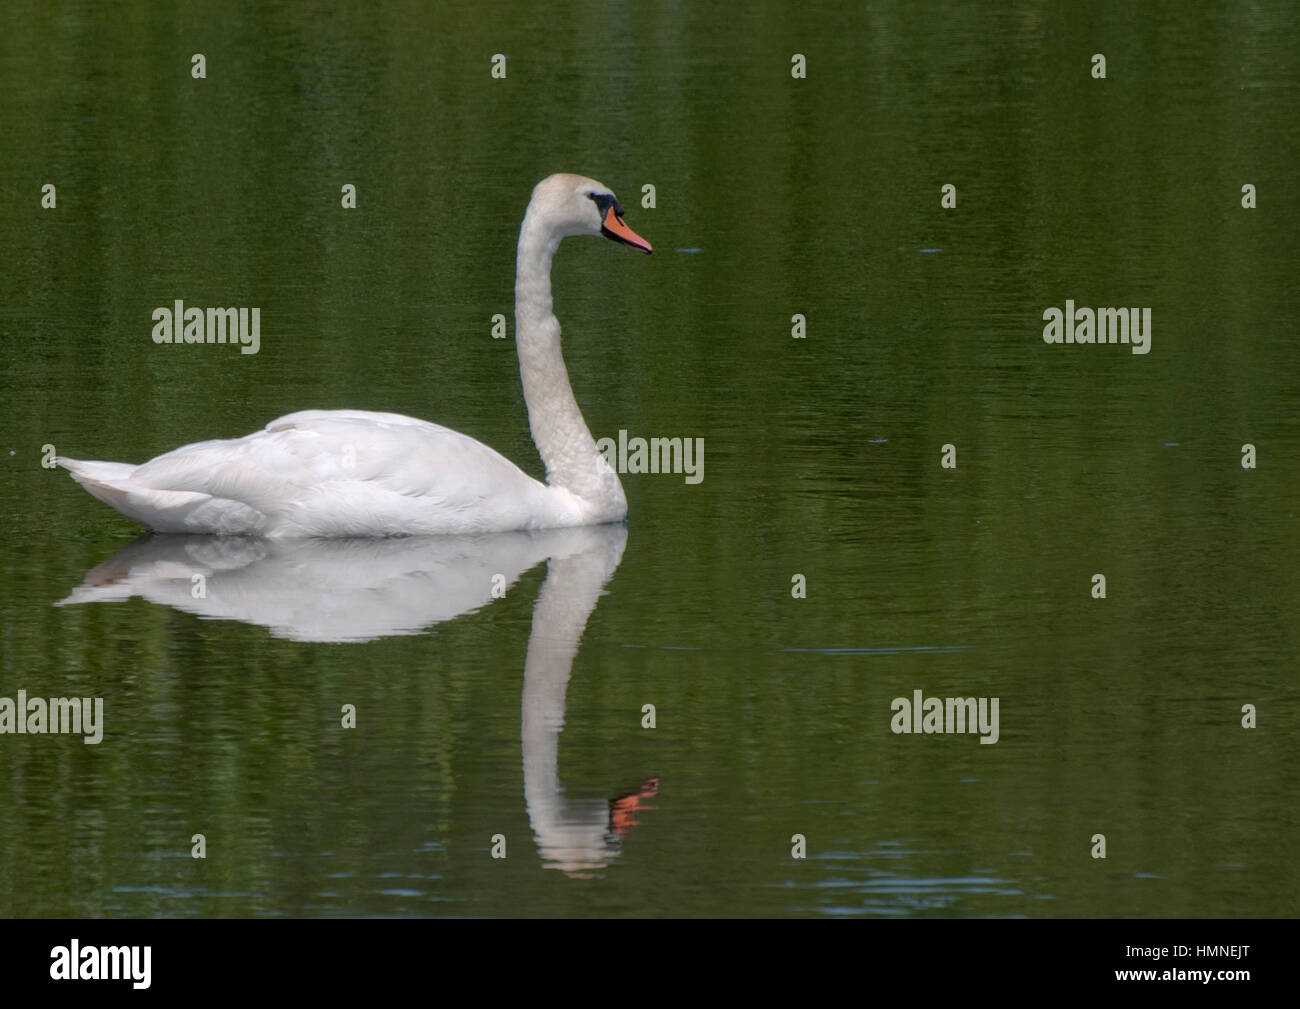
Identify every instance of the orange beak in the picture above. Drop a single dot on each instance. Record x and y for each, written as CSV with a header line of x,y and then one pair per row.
x,y
613,227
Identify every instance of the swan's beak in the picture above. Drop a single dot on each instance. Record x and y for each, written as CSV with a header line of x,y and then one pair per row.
x,y
615,228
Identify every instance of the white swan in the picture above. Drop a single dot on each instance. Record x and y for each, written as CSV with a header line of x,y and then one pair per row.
x,y
356,473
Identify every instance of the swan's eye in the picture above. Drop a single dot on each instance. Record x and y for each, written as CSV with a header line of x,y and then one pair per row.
x,y
603,202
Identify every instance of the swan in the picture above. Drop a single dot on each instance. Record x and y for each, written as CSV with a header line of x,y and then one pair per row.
x,y
337,473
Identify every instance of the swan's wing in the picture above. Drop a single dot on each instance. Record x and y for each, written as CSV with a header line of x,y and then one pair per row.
x,y
403,454
345,472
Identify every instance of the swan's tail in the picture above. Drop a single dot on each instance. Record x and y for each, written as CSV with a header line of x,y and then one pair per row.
x,y
96,472
164,511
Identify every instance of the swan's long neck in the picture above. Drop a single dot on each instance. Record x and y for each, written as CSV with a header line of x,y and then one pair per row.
x,y
561,435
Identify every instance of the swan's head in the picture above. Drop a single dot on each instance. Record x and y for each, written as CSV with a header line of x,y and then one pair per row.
x,y
575,205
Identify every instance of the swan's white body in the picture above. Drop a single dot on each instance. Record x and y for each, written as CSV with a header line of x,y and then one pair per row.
x,y
356,473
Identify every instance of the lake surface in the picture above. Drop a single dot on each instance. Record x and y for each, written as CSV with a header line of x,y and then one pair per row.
x,y
774,197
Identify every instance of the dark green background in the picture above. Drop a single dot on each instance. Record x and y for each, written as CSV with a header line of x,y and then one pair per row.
x,y
813,196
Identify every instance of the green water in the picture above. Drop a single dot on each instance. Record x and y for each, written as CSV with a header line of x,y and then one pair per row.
x,y
775,196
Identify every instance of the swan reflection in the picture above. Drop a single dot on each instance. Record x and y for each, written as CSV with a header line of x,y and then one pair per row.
x,y
359,590
576,835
